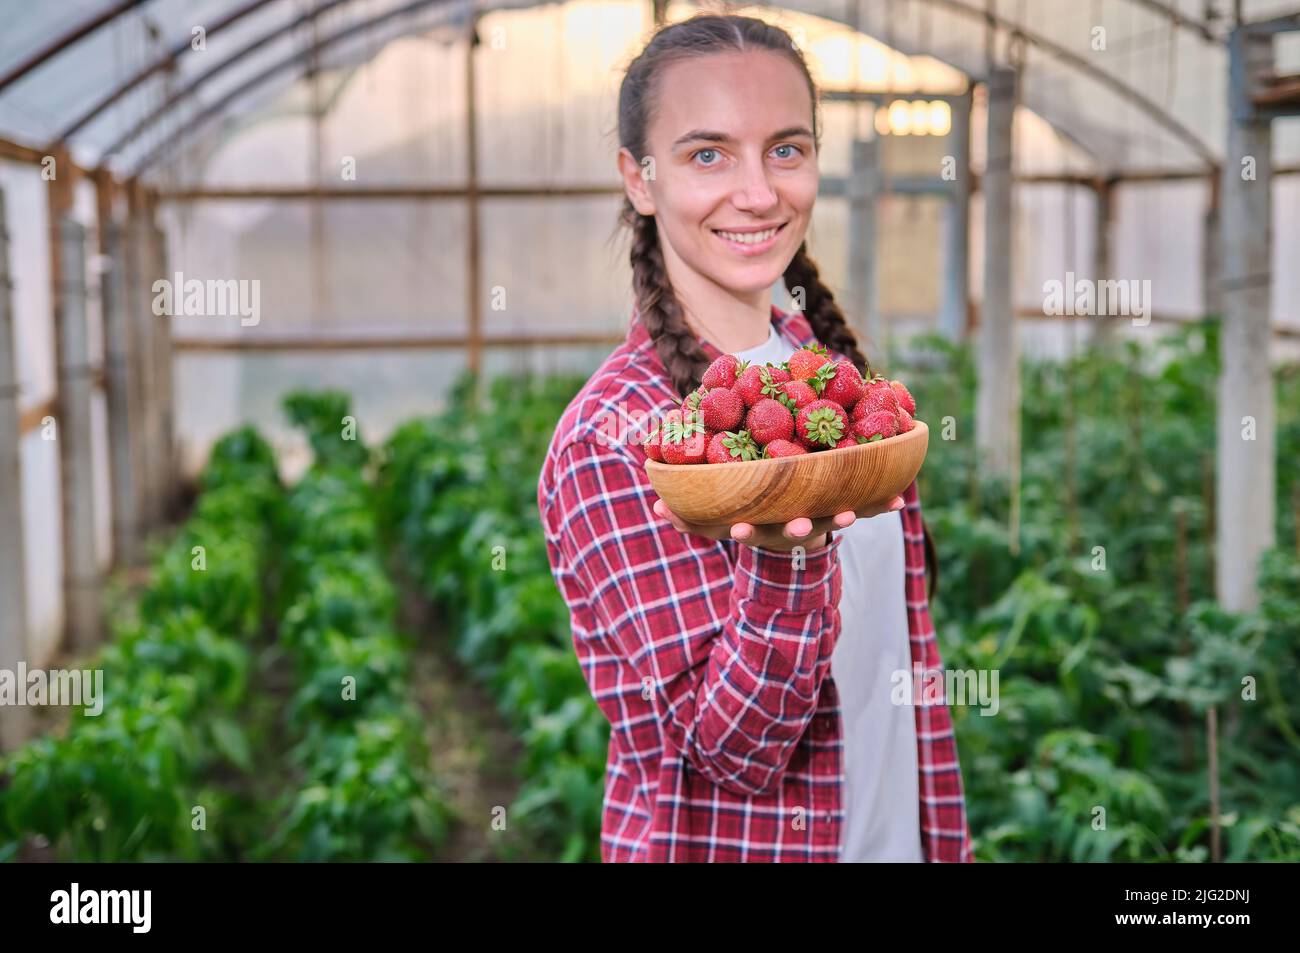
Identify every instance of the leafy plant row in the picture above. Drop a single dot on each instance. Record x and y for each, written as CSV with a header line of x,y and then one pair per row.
x,y
360,761
141,779
1098,612
461,501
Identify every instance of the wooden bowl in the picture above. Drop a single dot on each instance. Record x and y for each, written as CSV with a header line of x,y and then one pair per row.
x,y
816,484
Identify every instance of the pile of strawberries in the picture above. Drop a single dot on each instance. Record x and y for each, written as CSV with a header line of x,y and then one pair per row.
x,y
745,411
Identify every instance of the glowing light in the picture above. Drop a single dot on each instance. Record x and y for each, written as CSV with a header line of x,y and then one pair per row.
x,y
914,117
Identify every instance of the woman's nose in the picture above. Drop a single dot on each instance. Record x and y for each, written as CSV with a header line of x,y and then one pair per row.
x,y
755,192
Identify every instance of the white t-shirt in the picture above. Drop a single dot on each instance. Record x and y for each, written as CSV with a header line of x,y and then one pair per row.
x,y
882,815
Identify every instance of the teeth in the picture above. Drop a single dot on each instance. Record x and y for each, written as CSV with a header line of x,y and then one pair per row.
x,y
749,238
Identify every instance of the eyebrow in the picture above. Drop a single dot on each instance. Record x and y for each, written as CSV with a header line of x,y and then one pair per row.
x,y
710,135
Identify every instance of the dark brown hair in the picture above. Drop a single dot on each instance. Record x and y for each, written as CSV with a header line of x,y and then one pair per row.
x,y
681,352
676,344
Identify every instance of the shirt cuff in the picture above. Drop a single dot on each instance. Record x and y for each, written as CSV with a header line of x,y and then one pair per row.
x,y
795,581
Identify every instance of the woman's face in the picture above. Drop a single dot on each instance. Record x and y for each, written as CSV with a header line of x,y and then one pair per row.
x,y
734,159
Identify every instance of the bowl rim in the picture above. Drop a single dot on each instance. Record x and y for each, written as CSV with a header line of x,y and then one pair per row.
x,y
918,428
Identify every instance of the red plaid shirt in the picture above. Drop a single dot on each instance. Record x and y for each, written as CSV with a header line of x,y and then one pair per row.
x,y
711,659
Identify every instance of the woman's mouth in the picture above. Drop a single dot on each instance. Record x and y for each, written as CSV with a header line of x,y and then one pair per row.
x,y
750,243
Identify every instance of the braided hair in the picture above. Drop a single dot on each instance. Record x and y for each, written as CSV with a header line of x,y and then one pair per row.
x,y
676,344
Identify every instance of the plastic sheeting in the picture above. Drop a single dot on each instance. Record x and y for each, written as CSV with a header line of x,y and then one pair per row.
x,y
1072,71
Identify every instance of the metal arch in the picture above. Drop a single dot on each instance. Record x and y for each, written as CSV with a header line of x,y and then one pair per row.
x,y
304,54
157,66
1120,88
1179,19
986,15
58,45
252,47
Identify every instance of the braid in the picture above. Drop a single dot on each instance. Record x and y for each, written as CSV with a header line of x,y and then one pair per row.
x,y
823,314
676,344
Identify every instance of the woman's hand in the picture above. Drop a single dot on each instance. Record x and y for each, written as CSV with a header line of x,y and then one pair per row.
x,y
801,531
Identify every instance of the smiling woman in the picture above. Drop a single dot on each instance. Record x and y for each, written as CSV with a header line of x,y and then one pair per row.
x,y
748,722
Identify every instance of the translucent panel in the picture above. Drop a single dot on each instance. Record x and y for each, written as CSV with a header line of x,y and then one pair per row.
x,y
395,264
548,89
553,266
42,545
27,222
1159,236
1056,225
372,266
910,253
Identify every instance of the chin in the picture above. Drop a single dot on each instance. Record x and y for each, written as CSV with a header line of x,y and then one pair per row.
x,y
750,281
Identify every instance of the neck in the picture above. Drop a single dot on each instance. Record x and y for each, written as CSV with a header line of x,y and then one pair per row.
x,y
731,320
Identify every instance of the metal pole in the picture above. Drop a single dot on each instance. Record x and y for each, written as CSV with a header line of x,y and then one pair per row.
x,y
141,369
121,398
15,720
863,292
81,578
473,262
997,406
956,277
162,356
1212,254
1103,325
1246,486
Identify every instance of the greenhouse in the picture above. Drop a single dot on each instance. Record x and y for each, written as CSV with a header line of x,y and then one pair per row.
x,y
297,298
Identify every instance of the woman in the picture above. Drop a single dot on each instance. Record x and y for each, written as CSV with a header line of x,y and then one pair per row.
x,y
746,671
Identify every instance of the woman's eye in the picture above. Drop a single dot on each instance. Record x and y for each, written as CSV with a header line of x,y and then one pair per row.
x,y
790,155
710,152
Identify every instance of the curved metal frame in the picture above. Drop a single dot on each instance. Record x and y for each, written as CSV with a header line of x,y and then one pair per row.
x,y
1121,89
57,46
306,54
1126,92
162,63
146,122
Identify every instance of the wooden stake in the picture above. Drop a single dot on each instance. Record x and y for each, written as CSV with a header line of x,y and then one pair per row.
x,y
1212,742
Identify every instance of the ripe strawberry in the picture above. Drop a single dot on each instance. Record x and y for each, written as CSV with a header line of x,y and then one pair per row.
x,y
796,395
730,447
651,444
722,409
691,402
905,398
879,396
760,380
782,448
804,362
847,440
722,372
845,387
905,422
769,420
684,439
875,426
821,424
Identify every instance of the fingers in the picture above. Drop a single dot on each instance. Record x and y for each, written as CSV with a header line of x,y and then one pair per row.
x,y
798,528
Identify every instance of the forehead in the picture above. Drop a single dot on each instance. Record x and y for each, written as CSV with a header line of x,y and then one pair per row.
x,y
747,95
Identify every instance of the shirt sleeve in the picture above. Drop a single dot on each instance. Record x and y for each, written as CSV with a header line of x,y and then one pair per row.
x,y
734,700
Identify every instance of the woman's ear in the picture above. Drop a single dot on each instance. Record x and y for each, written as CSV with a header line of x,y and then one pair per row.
x,y
637,177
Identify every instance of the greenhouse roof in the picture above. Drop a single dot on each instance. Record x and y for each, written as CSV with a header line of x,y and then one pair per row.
x,y
1141,85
